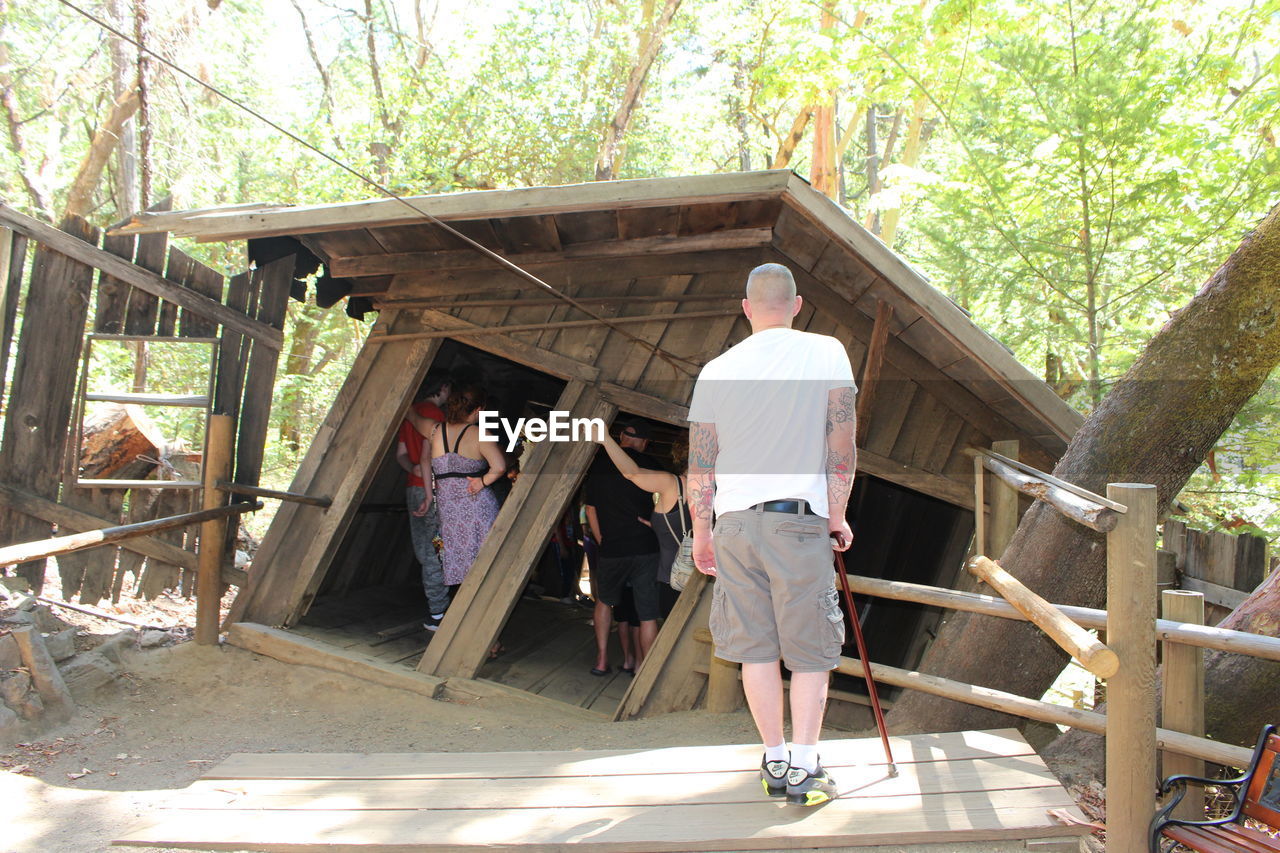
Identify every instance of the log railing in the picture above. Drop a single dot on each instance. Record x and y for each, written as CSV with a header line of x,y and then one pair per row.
x,y
1127,515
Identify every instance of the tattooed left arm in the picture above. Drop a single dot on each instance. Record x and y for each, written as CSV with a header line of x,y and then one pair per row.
x,y
704,447
842,458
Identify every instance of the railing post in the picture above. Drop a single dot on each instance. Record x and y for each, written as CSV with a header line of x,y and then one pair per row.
x,y
1004,505
979,508
1183,703
1131,634
724,689
219,447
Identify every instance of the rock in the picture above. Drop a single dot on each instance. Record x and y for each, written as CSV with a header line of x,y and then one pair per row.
x,y
20,618
118,645
61,645
16,584
86,673
13,686
153,638
242,559
9,656
17,694
10,725
46,621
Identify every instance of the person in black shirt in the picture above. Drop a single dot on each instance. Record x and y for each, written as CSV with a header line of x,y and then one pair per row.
x,y
618,512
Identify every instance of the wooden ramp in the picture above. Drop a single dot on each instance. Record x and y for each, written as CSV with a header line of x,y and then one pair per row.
x,y
952,788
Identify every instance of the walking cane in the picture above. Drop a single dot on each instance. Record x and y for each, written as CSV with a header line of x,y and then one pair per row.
x,y
866,663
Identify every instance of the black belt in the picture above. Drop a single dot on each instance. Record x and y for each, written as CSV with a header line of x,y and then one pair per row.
x,y
794,507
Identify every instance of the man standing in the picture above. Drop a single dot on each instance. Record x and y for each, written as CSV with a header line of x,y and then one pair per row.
x,y
618,512
418,425
771,451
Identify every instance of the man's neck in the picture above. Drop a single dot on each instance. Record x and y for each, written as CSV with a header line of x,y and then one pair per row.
x,y
764,327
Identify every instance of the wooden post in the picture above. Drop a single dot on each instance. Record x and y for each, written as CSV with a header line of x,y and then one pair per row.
x,y
44,674
1004,505
724,688
213,534
1131,634
1183,708
979,508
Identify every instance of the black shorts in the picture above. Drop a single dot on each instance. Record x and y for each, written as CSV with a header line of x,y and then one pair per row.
x,y
641,571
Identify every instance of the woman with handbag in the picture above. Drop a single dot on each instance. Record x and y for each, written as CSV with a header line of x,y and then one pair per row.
x,y
670,519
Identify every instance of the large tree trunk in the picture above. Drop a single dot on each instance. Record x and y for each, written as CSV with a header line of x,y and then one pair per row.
x,y
1155,426
1242,694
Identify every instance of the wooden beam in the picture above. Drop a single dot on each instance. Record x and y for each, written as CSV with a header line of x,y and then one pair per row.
x,y
1131,701
293,648
925,482
490,204
518,351
135,276
274,494
107,535
603,276
219,446
1182,697
1084,511
74,519
1034,709
1004,504
1222,596
1199,636
551,301
478,331
1069,636
871,370
470,259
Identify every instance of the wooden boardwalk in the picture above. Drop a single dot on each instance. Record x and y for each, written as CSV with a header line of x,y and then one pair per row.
x,y
952,788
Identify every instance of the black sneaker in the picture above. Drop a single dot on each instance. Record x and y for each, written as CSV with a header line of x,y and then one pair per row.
x,y
773,775
809,789
433,622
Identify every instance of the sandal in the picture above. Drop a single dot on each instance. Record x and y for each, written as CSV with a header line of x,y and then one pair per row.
x,y
601,672
496,651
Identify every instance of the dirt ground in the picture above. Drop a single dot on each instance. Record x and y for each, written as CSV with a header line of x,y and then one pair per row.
x,y
184,707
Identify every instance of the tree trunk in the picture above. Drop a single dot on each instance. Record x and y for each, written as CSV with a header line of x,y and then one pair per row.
x,y
1155,426
651,36
105,139
1241,694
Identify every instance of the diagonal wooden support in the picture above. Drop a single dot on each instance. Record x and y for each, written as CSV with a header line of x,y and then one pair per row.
x,y
515,542
871,368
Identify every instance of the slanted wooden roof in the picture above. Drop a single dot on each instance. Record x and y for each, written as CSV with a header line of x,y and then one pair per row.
x,y
698,236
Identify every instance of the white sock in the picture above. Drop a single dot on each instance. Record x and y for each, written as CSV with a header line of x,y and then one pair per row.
x,y
776,753
805,756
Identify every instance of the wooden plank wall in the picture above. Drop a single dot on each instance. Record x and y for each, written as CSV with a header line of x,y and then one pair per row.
x,y
1226,567
42,403
38,416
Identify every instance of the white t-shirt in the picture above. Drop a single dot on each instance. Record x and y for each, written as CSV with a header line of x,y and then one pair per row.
x,y
767,397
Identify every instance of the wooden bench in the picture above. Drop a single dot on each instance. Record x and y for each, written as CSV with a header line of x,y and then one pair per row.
x,y
1260,785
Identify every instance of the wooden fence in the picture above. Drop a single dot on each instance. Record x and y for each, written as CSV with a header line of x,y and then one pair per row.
x,y
72,283
1132,630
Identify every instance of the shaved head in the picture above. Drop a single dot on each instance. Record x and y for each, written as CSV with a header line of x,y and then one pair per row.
x,y
771,287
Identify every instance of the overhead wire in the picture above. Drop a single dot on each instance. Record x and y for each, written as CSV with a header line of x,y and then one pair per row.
x,y
678,362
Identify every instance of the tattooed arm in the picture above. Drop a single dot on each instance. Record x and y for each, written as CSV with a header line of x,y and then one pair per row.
x,y
842,459
703,449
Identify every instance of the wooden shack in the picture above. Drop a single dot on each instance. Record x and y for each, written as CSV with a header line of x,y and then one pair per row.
x,y
660,265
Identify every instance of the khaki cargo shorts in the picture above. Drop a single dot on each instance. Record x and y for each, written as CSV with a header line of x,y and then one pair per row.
x,y
775,591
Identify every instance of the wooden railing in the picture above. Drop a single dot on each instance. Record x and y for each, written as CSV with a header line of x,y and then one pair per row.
x,y
1127,515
